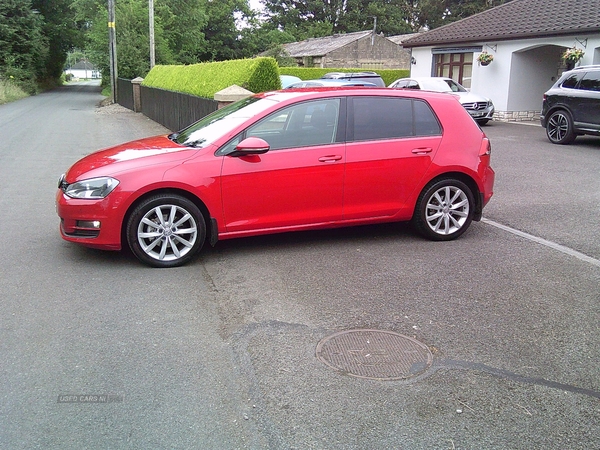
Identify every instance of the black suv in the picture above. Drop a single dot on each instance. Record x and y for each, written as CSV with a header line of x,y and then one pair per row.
x,y
572,106
370,77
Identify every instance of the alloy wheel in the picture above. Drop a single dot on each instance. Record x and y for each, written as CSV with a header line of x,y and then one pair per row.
x,y
447,210
167,232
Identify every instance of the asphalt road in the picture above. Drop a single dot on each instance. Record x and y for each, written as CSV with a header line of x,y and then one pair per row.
x,y
220,354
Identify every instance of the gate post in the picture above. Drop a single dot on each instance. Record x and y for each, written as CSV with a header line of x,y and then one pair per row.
x,y
231,94
137,96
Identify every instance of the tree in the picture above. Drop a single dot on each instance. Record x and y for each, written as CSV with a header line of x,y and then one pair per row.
x,y
132,36
316,18
186,32
62,33
183,22
23,47
258,37
221,30
431,14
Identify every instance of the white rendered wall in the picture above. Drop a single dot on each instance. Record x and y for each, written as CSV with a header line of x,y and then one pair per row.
x,y
522,70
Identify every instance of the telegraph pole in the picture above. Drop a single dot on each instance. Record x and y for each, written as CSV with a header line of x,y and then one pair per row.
x,y
374,30
151,20
112,42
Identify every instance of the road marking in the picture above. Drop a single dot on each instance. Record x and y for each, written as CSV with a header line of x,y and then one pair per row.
x,y
553,245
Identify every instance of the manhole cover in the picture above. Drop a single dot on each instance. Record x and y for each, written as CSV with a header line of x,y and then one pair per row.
x,y
374,354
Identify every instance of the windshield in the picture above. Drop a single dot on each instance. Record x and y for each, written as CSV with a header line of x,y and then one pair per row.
x,y
441,85
220,122
454,86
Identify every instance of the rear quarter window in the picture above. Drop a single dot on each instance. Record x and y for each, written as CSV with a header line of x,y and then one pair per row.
x,y
376,118
571,81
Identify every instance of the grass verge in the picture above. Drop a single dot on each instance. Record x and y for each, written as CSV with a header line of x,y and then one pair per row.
x,y
9,92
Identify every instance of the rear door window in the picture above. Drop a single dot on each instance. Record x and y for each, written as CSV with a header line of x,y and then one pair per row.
x,y
376,118
591,81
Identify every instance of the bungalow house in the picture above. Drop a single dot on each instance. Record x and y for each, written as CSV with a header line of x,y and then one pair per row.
x,y
83,69
526,38
360,50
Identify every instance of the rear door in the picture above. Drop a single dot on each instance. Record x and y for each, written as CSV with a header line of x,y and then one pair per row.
x,y
391,143
588,105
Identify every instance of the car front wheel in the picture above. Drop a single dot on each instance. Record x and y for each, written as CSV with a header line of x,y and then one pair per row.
x,y
559,128
166,230
444,210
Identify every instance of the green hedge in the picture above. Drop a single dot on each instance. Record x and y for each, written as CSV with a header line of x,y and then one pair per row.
x,y
206,79
312,73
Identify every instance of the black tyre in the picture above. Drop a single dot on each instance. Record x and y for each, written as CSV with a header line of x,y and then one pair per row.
x,y
482,122
166,231
559,128
444,210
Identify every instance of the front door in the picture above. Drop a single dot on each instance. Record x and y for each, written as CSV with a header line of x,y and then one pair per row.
x,y
298,181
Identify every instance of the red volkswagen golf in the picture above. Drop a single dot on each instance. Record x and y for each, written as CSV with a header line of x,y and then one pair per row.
x,y
283,161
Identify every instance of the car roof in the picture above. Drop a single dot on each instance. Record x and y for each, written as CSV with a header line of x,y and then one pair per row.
x,y
337,91
436,84
590,67
350,74
425,79
286,80
329,82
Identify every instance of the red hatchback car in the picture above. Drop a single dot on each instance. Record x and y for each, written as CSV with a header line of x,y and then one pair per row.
x,y
283,161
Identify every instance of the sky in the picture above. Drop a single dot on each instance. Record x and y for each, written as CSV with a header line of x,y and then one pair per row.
x,y
255,4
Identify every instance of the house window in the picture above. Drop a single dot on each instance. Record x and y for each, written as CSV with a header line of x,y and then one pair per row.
x,y
458,66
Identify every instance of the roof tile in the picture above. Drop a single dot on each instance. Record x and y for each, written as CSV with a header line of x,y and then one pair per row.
x,y
517,19
324,45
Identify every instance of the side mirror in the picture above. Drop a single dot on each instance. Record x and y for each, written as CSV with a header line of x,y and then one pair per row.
x,y
251,146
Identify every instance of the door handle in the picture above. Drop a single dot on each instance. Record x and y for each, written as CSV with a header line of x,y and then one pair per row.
x,y
422,150
330,158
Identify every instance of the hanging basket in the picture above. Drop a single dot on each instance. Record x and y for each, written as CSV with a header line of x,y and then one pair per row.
x,y
485,58
572,55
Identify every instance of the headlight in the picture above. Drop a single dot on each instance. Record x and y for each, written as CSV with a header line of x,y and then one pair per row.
x,y
94,188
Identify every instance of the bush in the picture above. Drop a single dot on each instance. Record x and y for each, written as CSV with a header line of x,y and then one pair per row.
x,y
21,78
311,73
206,79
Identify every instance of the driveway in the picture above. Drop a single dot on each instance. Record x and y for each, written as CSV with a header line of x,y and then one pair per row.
x,y
100,352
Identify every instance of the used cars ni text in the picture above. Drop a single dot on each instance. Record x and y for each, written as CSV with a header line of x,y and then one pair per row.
x,y
283,161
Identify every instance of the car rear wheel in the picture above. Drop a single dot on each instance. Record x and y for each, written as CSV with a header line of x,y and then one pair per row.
x,y
559,128
444,210
166,231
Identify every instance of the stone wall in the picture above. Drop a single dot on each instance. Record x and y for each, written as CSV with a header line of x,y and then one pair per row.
x,y
517,116
367,53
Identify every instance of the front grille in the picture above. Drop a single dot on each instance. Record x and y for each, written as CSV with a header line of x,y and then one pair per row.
x,y
475,106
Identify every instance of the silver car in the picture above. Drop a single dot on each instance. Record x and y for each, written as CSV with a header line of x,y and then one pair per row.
x,y
480,108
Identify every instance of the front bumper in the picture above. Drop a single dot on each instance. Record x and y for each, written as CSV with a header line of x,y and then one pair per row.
x,y
93,223
480,111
